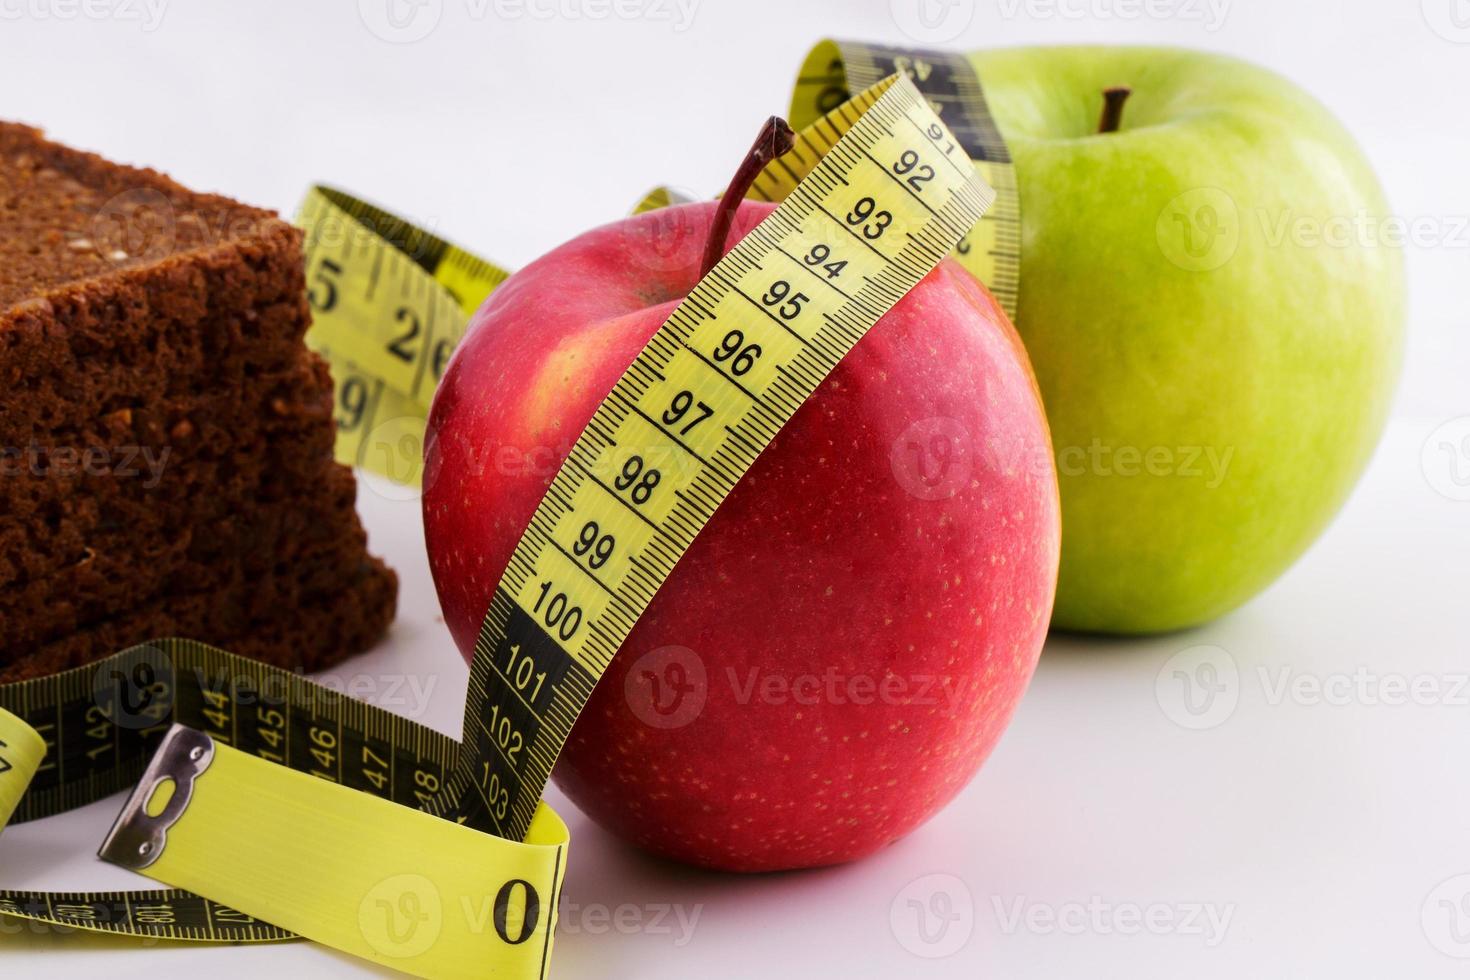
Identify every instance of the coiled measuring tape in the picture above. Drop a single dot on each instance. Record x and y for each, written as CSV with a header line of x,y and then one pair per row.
x,y
428,855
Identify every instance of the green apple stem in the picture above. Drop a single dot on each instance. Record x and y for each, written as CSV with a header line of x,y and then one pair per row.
x,y
776,138
1112,111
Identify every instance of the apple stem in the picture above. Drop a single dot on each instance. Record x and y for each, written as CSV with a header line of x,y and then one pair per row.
x,y
776,138
1112,111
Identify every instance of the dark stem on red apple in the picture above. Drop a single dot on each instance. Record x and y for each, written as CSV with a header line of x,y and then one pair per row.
x,y
776,139
1112,111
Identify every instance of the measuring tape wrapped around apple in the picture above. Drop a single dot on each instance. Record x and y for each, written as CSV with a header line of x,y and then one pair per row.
x,y
257,774
1203,364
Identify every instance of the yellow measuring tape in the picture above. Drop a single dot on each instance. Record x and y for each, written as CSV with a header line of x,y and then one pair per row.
x,y
427,855
992,249
350,808
390,303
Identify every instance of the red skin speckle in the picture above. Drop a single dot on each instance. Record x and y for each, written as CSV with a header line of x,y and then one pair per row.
x,y
866,608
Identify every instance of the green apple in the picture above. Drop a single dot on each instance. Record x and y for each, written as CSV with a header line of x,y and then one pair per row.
x,y
1213,302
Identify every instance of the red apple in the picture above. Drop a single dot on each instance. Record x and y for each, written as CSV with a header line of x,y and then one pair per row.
x,y
846,640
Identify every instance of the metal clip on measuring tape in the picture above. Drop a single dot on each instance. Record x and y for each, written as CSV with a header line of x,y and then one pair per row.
x,y
428,855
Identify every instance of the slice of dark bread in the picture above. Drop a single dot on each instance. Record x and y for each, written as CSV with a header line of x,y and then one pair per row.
x,y
165,435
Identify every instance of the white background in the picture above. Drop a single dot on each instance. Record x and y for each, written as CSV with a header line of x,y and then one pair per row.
x,y
1327,832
